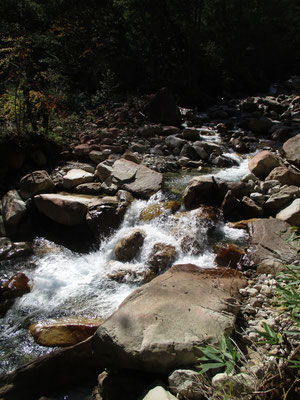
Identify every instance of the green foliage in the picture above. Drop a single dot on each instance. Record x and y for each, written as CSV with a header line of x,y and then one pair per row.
x,y
271,337
226,356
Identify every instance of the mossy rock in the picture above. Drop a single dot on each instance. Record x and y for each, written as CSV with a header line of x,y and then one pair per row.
x,y
155,210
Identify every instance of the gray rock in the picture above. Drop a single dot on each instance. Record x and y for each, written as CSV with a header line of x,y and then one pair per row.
x,y
92,188
136,178
98,156
269,248
278,200
291,214
241,383
185,382
186,306
76,177
103,171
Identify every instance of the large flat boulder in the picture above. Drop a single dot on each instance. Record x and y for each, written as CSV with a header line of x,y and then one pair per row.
x,y
157,327
65,209
136,178
270,245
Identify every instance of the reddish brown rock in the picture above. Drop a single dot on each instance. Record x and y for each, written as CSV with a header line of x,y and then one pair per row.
x,y
16,286
229,256
263,163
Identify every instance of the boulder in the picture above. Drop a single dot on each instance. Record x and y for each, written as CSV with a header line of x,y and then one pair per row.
x,y
270,247
163,108
157,327
128,247
278,200
291,214
286,176
136,178
35,183
231,207
229,256
65,209
162,257
98,156
64,332
155,210
292,150
103,170
263,163
10,250
250,209
200,190
174,142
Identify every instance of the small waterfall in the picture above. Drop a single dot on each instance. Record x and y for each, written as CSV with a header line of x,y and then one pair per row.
x,y
68,284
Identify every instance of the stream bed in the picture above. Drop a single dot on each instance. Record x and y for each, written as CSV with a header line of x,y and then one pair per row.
x,y
66,284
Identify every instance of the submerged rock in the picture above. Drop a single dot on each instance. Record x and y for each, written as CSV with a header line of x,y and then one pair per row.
x,y
64,332
16,286
155,210
157,327
128,247
162,256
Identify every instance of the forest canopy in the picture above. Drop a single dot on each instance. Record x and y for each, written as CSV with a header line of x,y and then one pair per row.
x,y
73,54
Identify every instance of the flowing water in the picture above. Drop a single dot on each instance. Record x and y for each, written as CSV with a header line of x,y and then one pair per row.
x,y
71,284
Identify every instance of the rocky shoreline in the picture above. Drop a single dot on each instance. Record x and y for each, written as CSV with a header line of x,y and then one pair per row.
x,y
123,156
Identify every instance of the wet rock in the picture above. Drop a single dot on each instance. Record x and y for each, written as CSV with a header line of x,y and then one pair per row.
x,y
64,332
200,300
269,248
64,209
16,286
163,108
148,131
35,183
200,190
291,214
128,247
105,214
136,178
162,256
76,177
155,210
263,163
229,256
185,382
292,150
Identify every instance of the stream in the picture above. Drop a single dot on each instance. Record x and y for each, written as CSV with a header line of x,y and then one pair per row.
x,y
72,284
